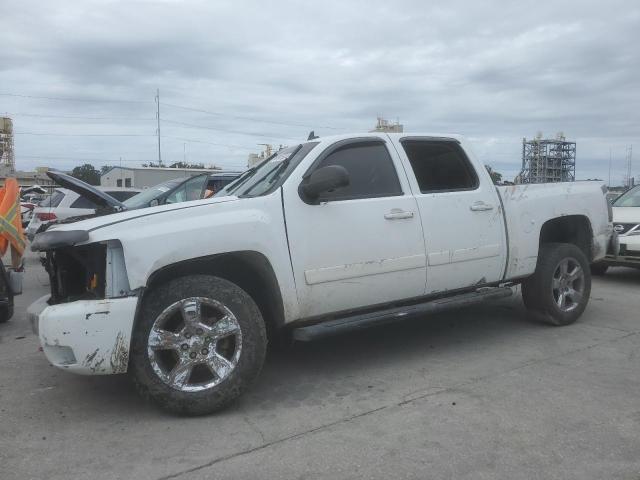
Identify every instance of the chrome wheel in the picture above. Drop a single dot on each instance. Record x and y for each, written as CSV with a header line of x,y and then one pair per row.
x,y
194,344
568,284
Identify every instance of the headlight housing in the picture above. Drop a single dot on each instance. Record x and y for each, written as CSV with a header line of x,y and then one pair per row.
x,y
93,271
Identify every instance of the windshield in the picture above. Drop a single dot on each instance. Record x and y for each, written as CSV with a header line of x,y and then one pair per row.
x,y
631,198
268,175
143,199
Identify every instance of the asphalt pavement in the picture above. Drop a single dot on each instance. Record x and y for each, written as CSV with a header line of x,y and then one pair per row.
x,y
479,393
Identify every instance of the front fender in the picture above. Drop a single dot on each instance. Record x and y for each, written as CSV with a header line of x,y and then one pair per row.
x,y
153,242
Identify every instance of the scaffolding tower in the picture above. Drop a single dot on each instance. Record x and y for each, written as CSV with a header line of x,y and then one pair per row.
x,y
385,125
7,159
548,160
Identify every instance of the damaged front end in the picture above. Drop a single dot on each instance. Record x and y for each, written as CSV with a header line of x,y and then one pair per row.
x,y
77,273
85,323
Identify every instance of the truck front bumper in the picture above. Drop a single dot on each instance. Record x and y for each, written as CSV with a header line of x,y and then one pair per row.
x,y
89,337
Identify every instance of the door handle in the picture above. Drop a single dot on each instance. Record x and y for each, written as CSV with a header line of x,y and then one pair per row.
x,y
397,214
480,207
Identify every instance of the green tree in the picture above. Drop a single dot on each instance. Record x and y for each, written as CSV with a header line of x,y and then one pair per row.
x,y
495,176
186,165
105,168
87,173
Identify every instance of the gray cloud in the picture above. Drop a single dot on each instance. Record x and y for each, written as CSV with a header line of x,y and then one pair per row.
x,y
496,71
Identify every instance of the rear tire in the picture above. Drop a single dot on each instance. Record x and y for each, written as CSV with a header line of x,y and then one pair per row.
x,y
558,292
599,268
199,343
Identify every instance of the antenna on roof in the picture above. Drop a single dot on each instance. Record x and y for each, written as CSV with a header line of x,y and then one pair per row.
x,y
312,136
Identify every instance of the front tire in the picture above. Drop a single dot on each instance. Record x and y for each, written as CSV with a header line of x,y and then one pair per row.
x,y
199,343
558,292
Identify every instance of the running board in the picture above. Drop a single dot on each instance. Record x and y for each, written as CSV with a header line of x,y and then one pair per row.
x,y
370,319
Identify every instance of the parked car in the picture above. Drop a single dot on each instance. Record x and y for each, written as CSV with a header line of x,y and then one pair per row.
x,y
29,199
181,190
331,235
65,203
626,224
612,196
111,200
26,212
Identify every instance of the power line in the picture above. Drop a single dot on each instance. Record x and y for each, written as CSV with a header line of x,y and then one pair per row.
x,y
77,117
193,125
252,119
188,125
84,159
173,105
85,134
192,140
183,139
106,160
74,99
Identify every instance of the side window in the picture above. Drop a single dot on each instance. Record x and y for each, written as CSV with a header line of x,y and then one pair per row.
x,y
53,200
371,172
122,195
440,166
190,190
83,202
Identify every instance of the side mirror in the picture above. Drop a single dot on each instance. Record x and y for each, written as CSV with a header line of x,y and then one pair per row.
x,y
154,203
323,180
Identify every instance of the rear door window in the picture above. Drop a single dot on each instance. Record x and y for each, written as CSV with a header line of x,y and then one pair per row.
x,y
440,166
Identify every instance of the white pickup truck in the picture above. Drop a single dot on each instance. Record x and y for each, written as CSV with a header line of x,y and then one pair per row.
x,y
334,234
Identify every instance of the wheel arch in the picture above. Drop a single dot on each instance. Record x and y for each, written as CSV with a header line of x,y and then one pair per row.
x,y
573,229
248,269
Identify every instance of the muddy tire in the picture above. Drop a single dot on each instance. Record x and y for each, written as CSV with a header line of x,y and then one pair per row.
x,y
599,268
198,344
558,292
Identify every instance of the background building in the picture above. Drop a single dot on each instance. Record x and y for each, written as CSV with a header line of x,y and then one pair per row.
x,y
7,156
387,126
256,158
8,164
548,160
143,177
29,179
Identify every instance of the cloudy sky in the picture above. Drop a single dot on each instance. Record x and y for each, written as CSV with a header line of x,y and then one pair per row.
x,y
79,78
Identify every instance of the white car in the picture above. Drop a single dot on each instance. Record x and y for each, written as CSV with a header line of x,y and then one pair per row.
x,y
64,203
626,224
331,235
30,197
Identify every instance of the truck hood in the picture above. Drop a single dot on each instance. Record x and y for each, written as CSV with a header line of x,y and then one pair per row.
x,y
101,199
95,223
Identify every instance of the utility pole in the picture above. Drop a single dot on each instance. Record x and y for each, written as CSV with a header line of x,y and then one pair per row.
x,y
629,176
184,153
609,184
158,131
